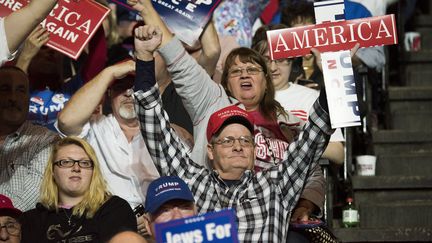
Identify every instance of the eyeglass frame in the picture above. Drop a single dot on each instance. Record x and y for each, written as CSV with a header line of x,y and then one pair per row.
x,y
14,224
247,69
232,140
75,161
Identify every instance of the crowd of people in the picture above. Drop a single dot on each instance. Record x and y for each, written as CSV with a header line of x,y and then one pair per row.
x,y
86,145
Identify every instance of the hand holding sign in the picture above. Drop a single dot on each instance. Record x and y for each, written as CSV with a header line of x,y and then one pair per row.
x,y
71,23
333,34
185,18
317,55
37,38
138,5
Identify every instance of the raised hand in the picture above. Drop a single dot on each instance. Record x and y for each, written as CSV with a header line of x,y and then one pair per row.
x,y
302,211
122,69
139,5
37,38
147,39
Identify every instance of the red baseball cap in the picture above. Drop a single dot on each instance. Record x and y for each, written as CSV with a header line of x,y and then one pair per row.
x,y
7,208
228,115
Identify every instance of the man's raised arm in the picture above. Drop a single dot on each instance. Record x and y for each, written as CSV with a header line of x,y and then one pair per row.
x,y
19,24
211,49
151,17
80,107
169,154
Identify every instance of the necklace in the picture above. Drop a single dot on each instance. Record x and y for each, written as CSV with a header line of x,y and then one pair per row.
x,y
68,217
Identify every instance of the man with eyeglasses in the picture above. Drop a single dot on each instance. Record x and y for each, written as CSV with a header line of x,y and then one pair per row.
x,y
262,200
10,228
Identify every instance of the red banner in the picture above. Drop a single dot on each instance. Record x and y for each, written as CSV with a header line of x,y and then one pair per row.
x,y
71,23
332,36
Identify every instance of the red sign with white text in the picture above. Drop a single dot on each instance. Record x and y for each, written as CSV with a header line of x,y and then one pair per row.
x,y
71,23
332,36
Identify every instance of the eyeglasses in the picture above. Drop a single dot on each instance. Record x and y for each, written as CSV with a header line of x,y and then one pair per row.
x,y
283,61
13,228
251,70
245,141
69,163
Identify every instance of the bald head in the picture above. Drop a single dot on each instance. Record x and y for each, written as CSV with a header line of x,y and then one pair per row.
x,y
127,236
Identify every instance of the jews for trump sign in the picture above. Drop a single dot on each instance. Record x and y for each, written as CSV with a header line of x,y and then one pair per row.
x,y
211,227
71,23
332,36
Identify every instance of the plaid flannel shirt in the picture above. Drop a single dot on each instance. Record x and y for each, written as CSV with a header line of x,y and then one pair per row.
x,y
23,158
263,201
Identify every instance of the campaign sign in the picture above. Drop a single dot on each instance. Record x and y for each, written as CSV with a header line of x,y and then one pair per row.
x,y
341,90
330,10
71,23
7,7
186,19
211,227
332,36
338,73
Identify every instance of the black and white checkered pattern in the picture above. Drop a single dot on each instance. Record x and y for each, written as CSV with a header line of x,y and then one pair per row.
x,y
23,157
263,201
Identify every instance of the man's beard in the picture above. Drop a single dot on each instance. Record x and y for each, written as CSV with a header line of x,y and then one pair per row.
x,y
127,113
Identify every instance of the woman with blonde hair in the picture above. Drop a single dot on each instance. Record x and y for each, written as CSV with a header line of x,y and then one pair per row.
x,y
75,205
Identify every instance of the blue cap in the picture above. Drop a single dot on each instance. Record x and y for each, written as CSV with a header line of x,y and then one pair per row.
x,y
164,189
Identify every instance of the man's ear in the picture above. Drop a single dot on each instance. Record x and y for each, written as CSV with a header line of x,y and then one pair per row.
x,y
210,151
147,224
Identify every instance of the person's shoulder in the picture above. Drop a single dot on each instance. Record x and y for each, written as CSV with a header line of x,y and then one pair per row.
x,y
102,121
115,202
114,206
39,132
34,213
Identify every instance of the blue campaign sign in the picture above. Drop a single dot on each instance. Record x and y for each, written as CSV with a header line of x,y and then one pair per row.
x,y
211,227
186,19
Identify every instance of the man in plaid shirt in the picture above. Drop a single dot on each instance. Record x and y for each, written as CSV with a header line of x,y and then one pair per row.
x,y
263,201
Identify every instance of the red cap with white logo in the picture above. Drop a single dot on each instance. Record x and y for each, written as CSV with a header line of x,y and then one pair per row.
x,y
226,116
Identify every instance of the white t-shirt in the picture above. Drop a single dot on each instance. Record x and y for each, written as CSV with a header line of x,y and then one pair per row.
x,y
298,100
127,167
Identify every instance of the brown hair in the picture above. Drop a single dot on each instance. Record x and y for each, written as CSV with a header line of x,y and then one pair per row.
x,y
268,106
261,33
